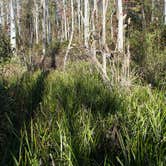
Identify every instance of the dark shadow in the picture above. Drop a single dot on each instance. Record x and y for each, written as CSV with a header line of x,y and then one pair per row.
x,y
54,52
17,106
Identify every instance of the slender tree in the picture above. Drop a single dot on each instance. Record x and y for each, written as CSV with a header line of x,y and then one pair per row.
x,y
18,18
86,23
72,33
120,39
65,20
1,14
36,20
105,4
44,27
165,12
12,25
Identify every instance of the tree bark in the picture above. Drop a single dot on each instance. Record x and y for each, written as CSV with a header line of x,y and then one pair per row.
x,y
65,19
36,21
120,39
12,26
44,27
71,36
152,15
1,14
165,12
104,35
18,20
86,23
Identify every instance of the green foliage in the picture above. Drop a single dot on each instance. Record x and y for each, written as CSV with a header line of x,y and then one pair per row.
x,y
20,99
143,130
148,54
5,48
73,118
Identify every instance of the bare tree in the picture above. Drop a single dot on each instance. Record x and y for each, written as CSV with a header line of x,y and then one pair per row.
x,y
18,18
1,14
36,21
44,27
165,12
104,45
65,19
12,25
120,39
86,23
72,33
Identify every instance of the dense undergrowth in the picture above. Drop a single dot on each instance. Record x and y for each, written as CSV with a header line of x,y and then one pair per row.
x,y
73,118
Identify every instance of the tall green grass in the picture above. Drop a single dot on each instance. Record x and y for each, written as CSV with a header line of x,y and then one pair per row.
x,y
75,119
20,98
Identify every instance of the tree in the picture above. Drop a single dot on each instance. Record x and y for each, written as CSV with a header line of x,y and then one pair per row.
x,y
165,12
12,25
44,27
36,15
120,17
86,23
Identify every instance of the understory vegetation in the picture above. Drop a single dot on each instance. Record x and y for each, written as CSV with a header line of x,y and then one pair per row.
x,y
62,118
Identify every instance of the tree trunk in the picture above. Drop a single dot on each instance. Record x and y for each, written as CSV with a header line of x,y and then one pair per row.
x,y
44,28
86,23
18,3
36,21
153,13
1,14
165,12
104,34
79,17
12,26
93,47
120,39
48,23
71,35
104,23
65,19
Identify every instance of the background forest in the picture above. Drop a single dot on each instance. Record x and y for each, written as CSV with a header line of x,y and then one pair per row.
x,y
82,82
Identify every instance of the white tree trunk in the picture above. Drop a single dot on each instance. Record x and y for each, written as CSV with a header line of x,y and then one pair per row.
x,y
86,23
48,23
36,21
44,27
1,14
104,34
165,12
104,23
7,17
1,6
12,26
71,36
94,28
120,39
79,17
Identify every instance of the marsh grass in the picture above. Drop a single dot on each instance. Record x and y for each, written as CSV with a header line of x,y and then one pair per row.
x,y
72,118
